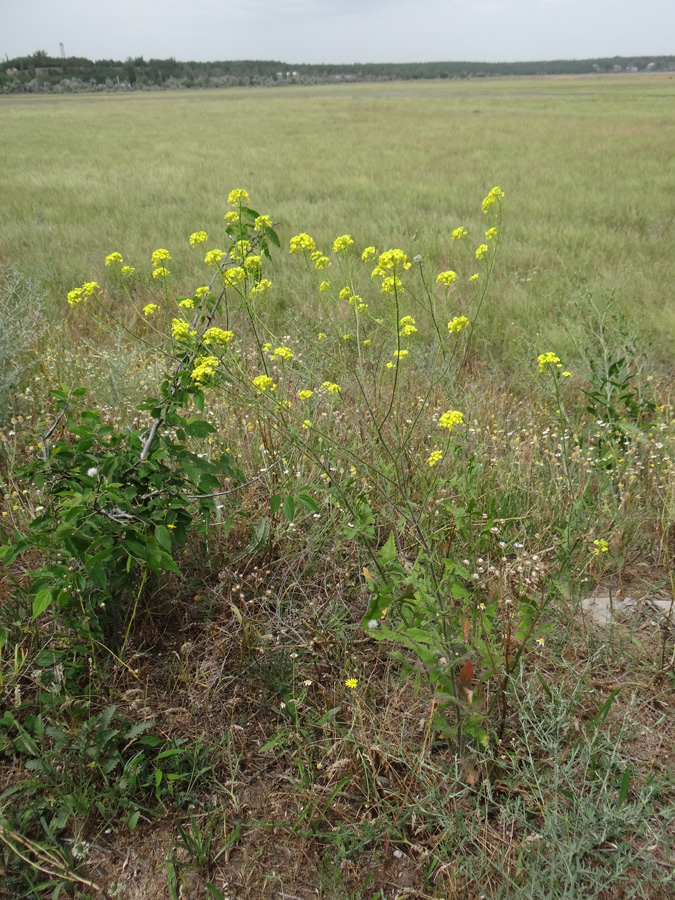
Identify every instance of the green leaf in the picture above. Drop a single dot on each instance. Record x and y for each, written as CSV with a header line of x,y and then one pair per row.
x,y
199,428
261,533
289,508
275,503
307,502
43,599
163,537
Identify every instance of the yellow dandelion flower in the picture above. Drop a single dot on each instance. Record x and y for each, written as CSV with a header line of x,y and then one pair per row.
x,y
351,683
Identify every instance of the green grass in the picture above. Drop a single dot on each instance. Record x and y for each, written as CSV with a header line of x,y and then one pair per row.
x,y
585,163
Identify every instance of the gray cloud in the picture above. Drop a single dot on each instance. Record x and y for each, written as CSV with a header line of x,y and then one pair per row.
x,y
339,30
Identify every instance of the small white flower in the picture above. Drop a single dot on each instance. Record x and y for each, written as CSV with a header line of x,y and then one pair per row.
x,y
373,623
93,472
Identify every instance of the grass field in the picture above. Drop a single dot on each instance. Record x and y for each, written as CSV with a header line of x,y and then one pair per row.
x,y
313,621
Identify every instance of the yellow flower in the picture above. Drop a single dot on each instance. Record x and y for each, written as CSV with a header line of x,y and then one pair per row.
x,y
263,285
284,353
368,253
446,278
330,387
495,194
305,395
451,418
231,216
601,546
434,458
217,336
234,276
213,257
455,325
366,342
481,251
186,303
390,365
345,293
393,259
160,272
321,262
399,354
320,336
306,424
198,237
262,383
324,286
150,309
128,270
74,296
179,329
407,326
89,288
351,683
474,277
113,258
302,242
566,374
237,196
392,284
201,292
459,233
262,222
345,337
342,244
160,256
282,405
205,367
547,359
490,233
252,262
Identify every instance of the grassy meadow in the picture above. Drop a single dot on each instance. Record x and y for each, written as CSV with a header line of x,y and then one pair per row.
x,y
295,597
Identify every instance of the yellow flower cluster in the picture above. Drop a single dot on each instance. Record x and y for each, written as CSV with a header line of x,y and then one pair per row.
x,y
213,258
263,285
237,196
262,383
324,286
320,261
407,326
302,242
392,284
231,216
150,309
186,303
262,222
198,237
180,330
434,458
201,292
253,263
113,258
455,325
234,276
331,388
159,257
451,418
474,277
128,270
205,367
240,249
160,272
345,293
342,244
495,194
601,546
459,233
548,359
78,295
368,253
217,336
481,251
305,395
446,278
391,259
490,233
283,353
399,354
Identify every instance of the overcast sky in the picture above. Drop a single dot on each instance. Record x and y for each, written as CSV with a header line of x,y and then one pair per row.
x,y
339,31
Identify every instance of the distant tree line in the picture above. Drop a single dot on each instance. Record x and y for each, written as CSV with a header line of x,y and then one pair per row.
x,y
41,73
